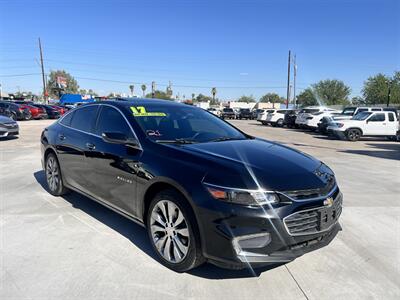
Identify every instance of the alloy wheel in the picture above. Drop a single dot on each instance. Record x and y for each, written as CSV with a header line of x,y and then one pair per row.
x,y
52,174
169,231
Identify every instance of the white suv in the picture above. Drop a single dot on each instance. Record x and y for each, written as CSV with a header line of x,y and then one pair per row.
x,y
301,119
383,123
312,120
276,117
262,117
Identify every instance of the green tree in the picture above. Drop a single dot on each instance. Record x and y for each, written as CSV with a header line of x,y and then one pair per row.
x,y
376,88
159,95
54,90
358,100
306,98
202,98
272,97
247,99
331,92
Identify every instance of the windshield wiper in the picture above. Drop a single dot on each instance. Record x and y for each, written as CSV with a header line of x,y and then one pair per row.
x,y
176,141
225,138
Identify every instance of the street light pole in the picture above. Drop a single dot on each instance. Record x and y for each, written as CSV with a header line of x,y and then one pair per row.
x,y
388,95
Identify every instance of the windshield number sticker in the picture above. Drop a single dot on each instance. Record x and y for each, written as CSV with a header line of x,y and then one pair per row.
x,y
140,111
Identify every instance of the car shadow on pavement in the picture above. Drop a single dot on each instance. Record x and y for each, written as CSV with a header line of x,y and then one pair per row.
x,y
386,151
138,235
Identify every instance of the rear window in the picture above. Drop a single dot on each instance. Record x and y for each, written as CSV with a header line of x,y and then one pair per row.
x,y
67,119
84,118
281,111
391,117
228,110
376,109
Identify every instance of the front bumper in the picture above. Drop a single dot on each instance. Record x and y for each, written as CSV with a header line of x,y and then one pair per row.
x,y
221,224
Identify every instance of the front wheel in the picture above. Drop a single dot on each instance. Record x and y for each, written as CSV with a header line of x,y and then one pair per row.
x,y
353,135
53,176
280,123
173,232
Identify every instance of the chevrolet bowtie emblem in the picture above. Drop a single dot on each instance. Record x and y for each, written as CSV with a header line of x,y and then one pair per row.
x,y
328,201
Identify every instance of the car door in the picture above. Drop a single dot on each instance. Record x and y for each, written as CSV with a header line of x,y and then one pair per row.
x,y
392,124
73,144
376,124
113,167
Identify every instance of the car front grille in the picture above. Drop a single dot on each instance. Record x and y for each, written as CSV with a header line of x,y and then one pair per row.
x,y
314,220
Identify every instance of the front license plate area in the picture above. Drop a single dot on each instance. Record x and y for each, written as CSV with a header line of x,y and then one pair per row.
x,y
327,216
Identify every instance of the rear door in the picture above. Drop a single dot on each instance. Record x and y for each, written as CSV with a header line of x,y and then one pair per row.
x,y
376,124
73,145
392,123
113,168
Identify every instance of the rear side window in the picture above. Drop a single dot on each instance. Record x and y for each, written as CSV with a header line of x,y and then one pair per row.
x,y
377,118
376,109
67,119
111,120
281,111
84,118
391,117
362,109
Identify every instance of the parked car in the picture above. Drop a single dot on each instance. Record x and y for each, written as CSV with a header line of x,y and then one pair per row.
x,y
301,120
52,112
276,117
60,109
183,174
36,112
228,113
245,113
4,111
368,123
349,112
16,111
214,111
290,118
255,113
262,117
8,127
312,121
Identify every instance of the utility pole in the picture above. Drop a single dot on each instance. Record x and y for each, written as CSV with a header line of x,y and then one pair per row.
x,y
153,89
388,95
43,78
288,81
1,92
294,81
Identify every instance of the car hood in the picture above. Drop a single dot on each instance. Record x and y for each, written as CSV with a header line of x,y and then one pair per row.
x,y
254,163
4,119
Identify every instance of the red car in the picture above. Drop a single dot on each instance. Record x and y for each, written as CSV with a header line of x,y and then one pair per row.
x,y
36,112
60,109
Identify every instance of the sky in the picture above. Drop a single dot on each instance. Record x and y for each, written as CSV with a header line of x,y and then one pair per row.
x,y
240,47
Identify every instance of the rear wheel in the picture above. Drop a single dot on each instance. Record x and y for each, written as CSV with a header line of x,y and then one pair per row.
x,y
280,123
53,176
173,232
353,134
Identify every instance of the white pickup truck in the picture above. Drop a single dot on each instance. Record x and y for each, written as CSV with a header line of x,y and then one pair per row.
x,y
368,123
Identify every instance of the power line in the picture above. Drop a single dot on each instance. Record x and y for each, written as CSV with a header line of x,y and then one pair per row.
x,y
20,75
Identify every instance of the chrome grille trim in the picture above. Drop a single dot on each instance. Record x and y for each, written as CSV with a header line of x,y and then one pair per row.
x,y
305,222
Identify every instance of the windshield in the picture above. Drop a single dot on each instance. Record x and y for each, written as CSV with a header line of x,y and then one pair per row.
x,y
228,110
361,116
349,111
184,124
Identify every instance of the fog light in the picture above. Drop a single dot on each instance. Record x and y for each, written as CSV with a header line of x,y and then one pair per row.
x,y
252,241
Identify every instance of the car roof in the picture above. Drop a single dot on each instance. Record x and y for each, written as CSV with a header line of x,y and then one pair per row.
x,y
123,102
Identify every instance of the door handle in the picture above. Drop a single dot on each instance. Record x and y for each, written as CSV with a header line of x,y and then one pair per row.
x,y
61,137
90,146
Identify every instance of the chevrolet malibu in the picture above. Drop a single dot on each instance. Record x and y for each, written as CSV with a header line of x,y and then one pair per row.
x,y
203,189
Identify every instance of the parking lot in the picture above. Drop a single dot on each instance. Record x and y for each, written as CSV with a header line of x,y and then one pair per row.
x,y
73,248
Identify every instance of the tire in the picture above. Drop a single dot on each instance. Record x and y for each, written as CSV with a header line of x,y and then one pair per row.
x,y
28,117
53,176
273,124
280,122
263,122
353,135
177,232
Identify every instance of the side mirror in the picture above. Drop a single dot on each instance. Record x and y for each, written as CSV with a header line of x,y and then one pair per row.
x,y
119,138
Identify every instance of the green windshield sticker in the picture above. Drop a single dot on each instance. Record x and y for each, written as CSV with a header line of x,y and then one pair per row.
x,y
140,111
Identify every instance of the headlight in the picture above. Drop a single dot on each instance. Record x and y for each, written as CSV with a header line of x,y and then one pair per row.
x,y
242,196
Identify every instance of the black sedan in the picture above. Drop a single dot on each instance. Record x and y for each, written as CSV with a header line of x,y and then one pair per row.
x,y
15,111
8,127
204,190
